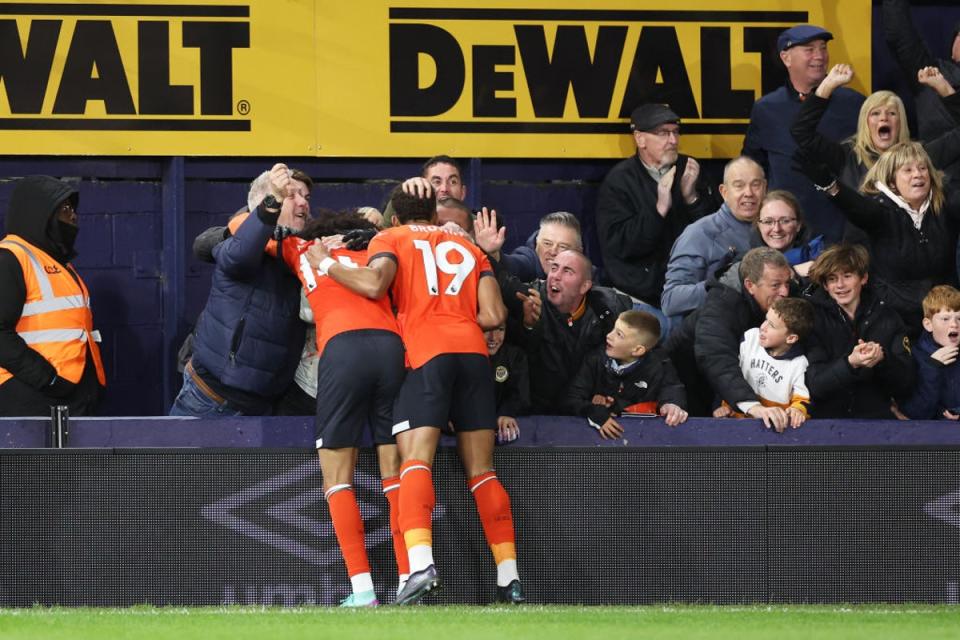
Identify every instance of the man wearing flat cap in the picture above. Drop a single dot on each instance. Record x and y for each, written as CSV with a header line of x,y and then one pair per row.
x,y
803,51
645,202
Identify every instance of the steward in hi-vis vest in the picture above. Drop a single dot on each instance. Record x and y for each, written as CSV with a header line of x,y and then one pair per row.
x,y
48,347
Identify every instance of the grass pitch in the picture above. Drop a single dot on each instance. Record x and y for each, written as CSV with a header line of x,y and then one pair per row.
x,y
875,622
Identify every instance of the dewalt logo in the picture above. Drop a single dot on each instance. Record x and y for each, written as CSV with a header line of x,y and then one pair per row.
x,y
121,67
583,60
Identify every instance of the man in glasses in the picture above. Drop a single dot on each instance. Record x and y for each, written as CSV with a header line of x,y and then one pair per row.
x,y
644,204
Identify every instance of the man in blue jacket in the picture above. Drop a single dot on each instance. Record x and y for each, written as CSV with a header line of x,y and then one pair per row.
x,y
803,51
249,337
712,242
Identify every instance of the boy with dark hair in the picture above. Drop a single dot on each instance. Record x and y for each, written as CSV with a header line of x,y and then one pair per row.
x,y
859,352
772,360
937,392
629,375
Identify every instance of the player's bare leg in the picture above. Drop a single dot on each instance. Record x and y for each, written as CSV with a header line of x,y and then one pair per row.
x,y
493,505
417,450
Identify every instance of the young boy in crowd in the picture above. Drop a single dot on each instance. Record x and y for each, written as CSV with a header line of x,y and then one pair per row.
x,y
859,353
772,360
630,374
937,391
512,377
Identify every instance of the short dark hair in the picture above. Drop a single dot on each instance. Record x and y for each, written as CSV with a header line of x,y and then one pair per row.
x,y
297,174
441,159
796,313
645,324
840,258
409,207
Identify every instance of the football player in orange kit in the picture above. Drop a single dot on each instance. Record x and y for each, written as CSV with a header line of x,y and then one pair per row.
x,y
360,370
445,295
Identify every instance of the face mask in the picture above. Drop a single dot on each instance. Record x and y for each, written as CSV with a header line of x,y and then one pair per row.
x,y
68,234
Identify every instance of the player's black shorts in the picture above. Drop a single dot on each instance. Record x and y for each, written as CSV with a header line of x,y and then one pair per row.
x,y
359,375
455,387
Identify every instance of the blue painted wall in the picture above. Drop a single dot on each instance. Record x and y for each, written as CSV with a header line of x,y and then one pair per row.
x,y
139,216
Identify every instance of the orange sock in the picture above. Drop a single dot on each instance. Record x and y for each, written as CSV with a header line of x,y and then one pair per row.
x,y
391,490
416,503
348,526
493,506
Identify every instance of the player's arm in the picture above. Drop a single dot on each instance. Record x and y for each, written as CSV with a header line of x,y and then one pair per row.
x,y
491,312
371,281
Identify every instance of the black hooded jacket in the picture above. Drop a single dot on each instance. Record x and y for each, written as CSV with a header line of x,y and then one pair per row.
x,y
30,215
838,390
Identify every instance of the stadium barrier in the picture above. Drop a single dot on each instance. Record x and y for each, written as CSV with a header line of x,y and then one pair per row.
x,y
196,512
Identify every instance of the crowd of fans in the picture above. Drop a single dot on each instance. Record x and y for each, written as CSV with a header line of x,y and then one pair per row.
x,y
816,280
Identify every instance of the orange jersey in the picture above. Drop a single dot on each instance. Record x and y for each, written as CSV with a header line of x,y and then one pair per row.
x,y
336,309
435,290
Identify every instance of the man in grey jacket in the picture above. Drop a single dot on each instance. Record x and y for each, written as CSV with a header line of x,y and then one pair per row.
x,y
715,240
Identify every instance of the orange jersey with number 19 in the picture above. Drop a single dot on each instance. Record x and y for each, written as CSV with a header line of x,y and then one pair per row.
x,y
434,290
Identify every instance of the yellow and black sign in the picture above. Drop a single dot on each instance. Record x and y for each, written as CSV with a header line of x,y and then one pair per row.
x,y
157,79
394,78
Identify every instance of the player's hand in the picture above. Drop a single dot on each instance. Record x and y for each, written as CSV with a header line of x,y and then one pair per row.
x,y
688,181
280,181
454,229
358,239
507,429
611,429
316,254
773,417
372,215
664,195
332,242
931,77
417,186
673,415
532,306
486,234
945,355
949,415
602,400
795,417
723,411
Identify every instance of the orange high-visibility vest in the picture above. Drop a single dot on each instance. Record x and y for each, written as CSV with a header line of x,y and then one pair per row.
x,y
56,320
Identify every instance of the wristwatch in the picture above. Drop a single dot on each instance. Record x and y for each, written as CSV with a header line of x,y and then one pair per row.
x,y
270,203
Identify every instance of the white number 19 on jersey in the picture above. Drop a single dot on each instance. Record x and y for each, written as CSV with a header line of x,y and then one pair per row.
x,y
439,261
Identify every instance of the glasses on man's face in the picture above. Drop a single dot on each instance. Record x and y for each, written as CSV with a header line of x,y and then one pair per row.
x,y
779,222
666,133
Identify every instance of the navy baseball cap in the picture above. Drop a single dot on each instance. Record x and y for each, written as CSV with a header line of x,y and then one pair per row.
x,y
802,34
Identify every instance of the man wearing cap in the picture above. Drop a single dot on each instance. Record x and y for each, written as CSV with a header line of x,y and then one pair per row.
x,y
48,348
644,204
803,51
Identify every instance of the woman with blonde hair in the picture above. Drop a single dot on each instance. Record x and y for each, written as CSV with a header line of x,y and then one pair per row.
x,y
911,220
882,123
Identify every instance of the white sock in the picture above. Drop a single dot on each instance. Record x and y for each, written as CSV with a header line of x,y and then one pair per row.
x,y
421,557
507,572
361,582
402,582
